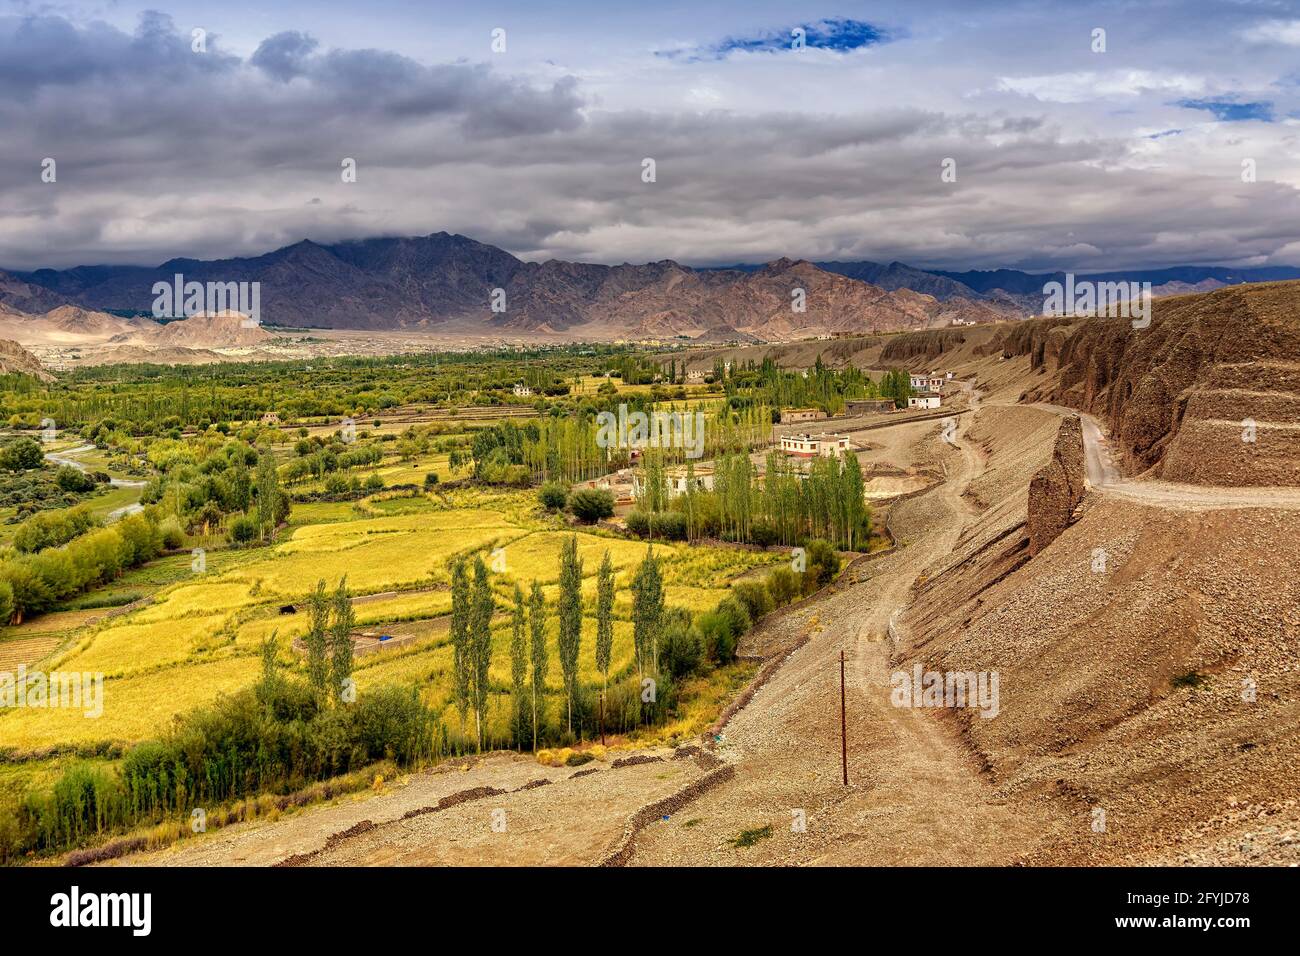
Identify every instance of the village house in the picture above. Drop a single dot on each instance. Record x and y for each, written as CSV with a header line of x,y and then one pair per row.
x,y
523,391
676,481
801,414
924,400
270,418
814,446
868,406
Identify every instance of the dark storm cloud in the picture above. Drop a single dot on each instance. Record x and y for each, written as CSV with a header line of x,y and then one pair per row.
x,y
165,152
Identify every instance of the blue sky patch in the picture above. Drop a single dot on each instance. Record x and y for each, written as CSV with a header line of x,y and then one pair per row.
x,y
836,33
1230,110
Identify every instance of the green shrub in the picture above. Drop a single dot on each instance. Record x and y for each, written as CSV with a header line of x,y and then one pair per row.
x,y
680,652
172,535
783,585
243,529
823,565
591,504
664,525
553,495
755,597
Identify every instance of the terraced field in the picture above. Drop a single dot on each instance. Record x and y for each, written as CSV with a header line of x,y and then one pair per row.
x,y
199,634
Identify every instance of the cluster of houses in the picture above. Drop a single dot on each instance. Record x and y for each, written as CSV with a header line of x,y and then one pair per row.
x,y
927,389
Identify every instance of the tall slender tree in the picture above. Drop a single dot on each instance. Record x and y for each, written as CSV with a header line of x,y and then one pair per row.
x,y
647,610
519,668
480,646
541,661
570,613
317,640
340,639
604,618
460,613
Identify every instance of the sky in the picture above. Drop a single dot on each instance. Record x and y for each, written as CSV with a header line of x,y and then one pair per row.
x,y
942,134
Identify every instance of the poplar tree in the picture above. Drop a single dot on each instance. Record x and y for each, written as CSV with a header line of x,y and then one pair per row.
x,y
317,640
570,614
340,638
519,667
541,662
480,646
460,611
604,617
647,609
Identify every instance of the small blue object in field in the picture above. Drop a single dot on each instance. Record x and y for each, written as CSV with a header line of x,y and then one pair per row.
x,y
385,637
665,817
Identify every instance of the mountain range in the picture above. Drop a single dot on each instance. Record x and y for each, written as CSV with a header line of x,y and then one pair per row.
x,y
445,281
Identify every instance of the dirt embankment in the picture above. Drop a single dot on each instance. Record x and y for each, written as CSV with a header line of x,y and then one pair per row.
x,y
954,345
1208,393
1058,488
1040,339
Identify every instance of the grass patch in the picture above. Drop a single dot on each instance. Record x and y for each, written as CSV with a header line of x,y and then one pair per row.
x,y
750,837
1189,679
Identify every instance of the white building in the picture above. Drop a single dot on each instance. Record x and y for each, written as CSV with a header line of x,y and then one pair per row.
x,y
676,481
924,400
523,391
814,446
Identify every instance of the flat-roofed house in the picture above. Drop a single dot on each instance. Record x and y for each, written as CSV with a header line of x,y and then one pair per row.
x,y
802,414
814,446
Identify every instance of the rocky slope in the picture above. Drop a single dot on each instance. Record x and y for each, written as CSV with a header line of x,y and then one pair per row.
x,y
16,359
1209,393
1058,488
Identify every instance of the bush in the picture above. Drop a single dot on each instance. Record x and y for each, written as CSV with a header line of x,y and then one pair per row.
x,y
680,652
243,529
823,565
668,525
591,504
172,535
374,482
22,455
721,629
553,495
73,480
783,585
762,533
51,529
430,481
755,597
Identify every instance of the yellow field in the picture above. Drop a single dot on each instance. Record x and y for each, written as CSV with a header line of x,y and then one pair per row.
x,y
199,636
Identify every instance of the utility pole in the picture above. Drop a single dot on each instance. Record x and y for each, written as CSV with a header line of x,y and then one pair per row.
x,y
844,727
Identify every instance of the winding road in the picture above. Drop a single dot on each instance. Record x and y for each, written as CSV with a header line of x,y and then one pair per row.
x,y
1105,477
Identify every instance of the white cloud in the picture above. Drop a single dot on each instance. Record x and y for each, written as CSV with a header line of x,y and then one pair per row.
x,y
1086,86
1274,31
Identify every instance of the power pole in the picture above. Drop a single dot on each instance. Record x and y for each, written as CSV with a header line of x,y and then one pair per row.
x,y
844,727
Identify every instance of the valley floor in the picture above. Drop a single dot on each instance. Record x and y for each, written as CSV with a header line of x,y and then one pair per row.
x,y
926,786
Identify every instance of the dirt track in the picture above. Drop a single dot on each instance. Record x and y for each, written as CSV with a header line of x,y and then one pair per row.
x,y
1105,477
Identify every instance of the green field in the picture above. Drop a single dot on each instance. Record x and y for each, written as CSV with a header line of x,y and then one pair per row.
x,y
198,636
